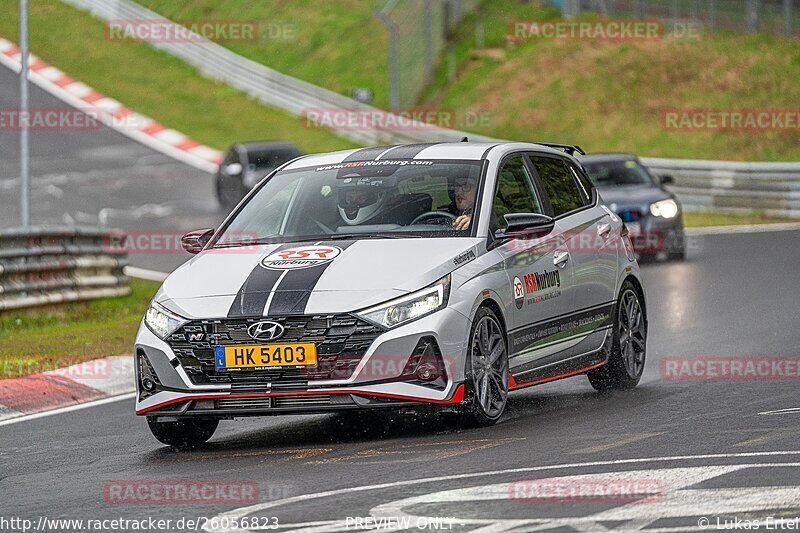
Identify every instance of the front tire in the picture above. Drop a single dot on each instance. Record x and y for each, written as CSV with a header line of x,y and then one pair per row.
x,y
486,371
185,433
628,345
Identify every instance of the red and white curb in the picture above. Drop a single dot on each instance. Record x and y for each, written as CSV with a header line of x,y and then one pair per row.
x,y
111,112
91,381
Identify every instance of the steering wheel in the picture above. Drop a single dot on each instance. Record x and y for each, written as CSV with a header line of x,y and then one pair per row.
x,y
433,215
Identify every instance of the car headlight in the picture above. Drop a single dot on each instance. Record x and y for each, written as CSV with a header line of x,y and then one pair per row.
x,y
161,321
664,208
410,307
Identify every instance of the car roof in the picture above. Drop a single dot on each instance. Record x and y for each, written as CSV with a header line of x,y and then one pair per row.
x,y
610,156
456,150
258,146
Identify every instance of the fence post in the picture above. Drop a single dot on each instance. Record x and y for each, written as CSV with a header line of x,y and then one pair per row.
x,y
674,10
787,17
752,15
712,14
428,24
24,137
640,9
394,78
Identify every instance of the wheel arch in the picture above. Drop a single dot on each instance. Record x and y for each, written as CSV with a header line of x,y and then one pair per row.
x,y
637,285
495,307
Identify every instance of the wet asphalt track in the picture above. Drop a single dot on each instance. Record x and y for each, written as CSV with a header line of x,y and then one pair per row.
x,y
101,177
737,295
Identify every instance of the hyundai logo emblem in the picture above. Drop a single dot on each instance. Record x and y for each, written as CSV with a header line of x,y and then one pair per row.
x,y
265,331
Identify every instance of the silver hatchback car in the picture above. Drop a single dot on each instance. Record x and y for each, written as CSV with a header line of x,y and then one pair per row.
x,y
391,277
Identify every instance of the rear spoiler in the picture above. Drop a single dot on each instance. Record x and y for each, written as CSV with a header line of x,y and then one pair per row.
x,y
568,148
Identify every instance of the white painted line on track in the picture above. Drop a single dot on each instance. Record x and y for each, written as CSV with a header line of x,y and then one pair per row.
x,y
787,411
68,409
743,228
244,511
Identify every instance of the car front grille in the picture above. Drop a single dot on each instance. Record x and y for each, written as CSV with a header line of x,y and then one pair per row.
x,y
341,340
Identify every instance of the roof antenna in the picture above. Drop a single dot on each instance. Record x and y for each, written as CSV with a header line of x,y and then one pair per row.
x,y
464,140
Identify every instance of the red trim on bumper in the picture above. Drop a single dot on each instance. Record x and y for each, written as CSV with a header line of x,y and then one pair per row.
x,y
458,397
512,383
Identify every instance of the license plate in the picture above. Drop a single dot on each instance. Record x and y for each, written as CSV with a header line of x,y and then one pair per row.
x,y
256,357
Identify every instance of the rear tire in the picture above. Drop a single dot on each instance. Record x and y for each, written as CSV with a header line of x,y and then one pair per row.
x,y
486,371
628,345
185,433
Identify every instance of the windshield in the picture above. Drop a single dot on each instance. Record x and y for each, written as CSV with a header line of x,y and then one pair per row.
x,y
361,199
618,173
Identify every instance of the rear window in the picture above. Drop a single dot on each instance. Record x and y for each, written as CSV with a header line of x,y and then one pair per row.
x,y
558,183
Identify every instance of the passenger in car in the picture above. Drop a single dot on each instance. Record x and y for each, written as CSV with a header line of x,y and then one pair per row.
x,y
465,190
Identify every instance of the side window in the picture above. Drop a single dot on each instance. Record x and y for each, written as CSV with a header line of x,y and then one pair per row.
x,y
586,186
558,183
515,192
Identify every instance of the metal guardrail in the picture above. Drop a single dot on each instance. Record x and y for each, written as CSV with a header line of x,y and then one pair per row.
x,y
41,266
773,188
265,84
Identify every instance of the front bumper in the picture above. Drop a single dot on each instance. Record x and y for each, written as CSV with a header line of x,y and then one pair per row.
x,y
651,235
377,381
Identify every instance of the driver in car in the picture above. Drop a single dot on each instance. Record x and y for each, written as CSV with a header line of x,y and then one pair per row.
x,y
465,190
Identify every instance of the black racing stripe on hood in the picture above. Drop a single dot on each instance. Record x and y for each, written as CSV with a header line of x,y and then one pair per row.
x,y
366,154
408,151
252,296
294,291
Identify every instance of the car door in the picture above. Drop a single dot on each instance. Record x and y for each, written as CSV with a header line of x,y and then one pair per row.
x,y
591,234
538,285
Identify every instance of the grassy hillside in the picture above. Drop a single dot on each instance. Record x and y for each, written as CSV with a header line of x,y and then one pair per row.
x,y
154,83
339,45
603,96
610,96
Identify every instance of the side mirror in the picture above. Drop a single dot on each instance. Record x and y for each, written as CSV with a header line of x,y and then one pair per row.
x,y
233,169
667,179
196,240
526,224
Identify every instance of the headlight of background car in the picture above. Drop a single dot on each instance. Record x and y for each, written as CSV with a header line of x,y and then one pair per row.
x,y
664,208
411,307
161,321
